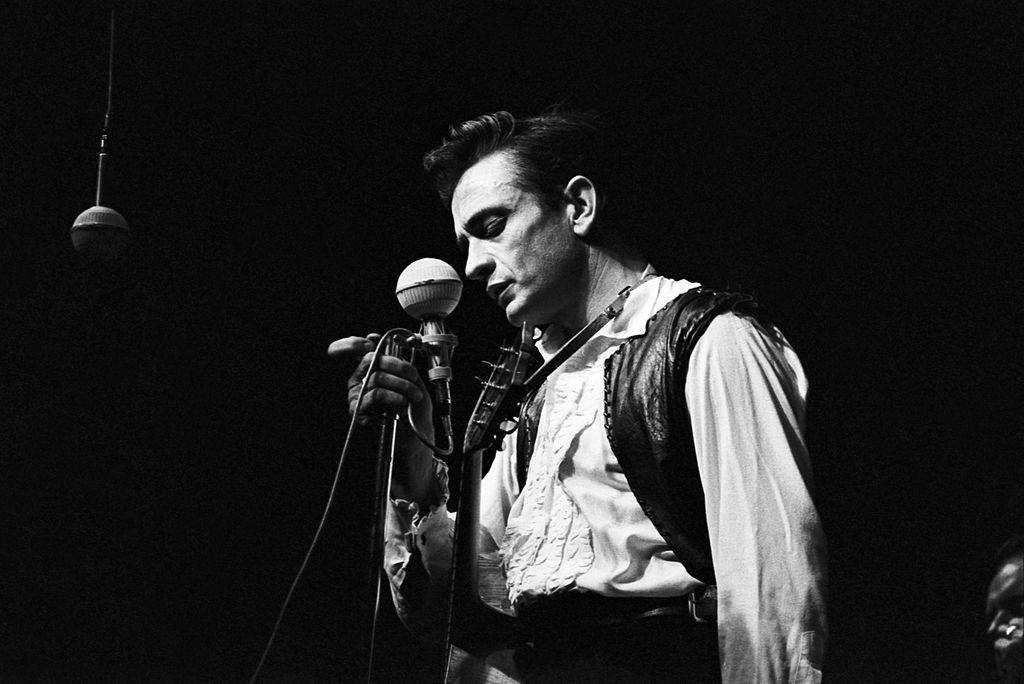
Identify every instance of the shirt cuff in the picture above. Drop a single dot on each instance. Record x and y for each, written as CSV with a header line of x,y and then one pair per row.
x,y
409,511
429,532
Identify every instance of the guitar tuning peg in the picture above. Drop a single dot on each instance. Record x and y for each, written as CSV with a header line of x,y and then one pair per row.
x,y
490,365
479,380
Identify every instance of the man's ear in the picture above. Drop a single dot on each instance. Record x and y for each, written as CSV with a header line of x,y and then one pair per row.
x,y
582,197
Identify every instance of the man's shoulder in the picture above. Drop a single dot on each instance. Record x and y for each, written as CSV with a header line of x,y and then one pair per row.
x,y
691,311
738,330
735,340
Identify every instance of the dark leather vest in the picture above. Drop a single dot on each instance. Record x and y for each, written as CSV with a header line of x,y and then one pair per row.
x,y
648,424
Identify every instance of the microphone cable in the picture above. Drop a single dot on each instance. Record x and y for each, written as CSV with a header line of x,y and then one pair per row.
x,y
374,362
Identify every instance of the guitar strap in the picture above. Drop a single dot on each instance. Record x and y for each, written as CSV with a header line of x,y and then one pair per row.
x,y
534,382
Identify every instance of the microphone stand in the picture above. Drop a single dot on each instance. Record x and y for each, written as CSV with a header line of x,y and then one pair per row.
x,y
440,342
382,495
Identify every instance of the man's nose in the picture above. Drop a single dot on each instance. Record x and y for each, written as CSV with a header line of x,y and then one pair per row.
x,y
479,264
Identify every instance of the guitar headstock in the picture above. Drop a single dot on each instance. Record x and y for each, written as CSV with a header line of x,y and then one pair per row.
x,y
497,408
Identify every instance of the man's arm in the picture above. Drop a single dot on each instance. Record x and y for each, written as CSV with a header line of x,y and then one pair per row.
x,y
746,394
417,559
417,545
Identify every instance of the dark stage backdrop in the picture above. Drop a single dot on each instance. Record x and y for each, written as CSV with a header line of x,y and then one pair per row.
x,y
170,423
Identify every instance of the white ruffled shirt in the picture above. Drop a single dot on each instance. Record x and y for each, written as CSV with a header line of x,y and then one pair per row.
x,y
576,521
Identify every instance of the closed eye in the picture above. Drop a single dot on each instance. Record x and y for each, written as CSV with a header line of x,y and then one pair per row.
x,y
484,225
487,222
493,226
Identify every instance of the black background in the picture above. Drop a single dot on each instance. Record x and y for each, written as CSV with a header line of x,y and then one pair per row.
x,y
170,423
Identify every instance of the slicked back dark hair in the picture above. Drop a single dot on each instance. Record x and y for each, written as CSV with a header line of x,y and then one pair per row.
x,y
546,151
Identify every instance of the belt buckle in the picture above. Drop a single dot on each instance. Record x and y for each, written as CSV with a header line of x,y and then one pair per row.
x,y
703,604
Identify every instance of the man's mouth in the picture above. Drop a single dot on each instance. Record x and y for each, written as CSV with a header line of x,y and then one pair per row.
x,y
496,291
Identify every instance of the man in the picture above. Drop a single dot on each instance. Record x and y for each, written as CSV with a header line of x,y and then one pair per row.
x,y
1004,609
668,453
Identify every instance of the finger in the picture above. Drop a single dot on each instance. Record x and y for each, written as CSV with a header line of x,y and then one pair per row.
x,y
404,391
379,362
351,345
379,400
387,365
385,391
409,390
361,368
402,368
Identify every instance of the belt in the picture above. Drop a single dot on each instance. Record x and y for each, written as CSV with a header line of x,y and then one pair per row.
x,y
575,609
703,604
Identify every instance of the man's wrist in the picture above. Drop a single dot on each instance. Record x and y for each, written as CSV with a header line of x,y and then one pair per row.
x,y
421,479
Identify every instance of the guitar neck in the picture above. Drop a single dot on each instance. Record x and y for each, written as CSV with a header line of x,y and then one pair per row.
x,y
479,615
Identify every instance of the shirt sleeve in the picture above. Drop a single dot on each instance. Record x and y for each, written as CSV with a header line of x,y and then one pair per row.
x,y
417,558
746,393
418,544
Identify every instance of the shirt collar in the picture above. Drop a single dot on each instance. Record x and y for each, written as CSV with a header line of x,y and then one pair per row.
x,y
645,299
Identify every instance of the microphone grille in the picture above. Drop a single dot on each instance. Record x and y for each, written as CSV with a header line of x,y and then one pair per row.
x,y
428,288
100,233
100,216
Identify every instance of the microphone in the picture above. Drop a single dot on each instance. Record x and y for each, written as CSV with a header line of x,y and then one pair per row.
x,y
429,290
99,232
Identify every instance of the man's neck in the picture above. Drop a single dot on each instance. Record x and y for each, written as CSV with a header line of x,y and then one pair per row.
x,y
607,274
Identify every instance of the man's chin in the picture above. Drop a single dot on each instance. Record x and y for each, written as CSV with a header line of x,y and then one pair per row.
x,y
523,315
514,314
514,318
519,312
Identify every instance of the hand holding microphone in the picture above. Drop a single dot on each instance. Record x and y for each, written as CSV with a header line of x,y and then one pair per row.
x,y
394,383
429,290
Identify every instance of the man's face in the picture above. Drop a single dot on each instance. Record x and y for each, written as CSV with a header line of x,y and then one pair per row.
x,y
1005,610
532,262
